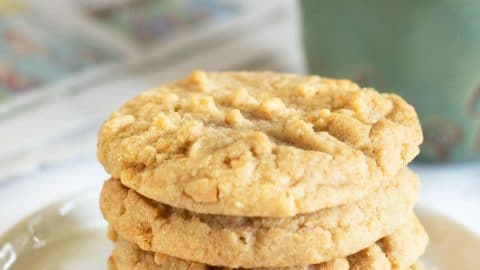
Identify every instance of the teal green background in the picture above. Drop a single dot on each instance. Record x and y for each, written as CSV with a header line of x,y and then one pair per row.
x,y
428,51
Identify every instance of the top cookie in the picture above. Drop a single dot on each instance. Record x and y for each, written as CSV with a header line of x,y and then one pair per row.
x,y
258,143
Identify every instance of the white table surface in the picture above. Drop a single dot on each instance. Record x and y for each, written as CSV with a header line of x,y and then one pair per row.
x,y
451,189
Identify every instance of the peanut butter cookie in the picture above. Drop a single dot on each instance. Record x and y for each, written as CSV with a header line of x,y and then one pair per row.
x,y
397,251
258,143
259,241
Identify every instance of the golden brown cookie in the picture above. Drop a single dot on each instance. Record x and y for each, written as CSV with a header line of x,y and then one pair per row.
x,y
258,143
409,243
259,241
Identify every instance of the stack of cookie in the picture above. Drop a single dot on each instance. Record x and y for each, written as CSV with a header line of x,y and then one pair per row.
x,y
261,170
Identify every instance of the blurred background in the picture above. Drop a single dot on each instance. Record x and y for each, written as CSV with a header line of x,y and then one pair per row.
x,y
66,64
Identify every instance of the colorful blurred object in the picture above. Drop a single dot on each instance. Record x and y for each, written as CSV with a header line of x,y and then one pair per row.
x,y
37,49
32,54
426,51
146,21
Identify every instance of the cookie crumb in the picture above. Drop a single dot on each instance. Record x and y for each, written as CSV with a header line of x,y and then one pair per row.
x,y
199,79
272,108
234,117
201,104
202,190
260,143
119,122
241,98
162,122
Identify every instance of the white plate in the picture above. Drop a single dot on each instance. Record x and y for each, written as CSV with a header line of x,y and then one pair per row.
x,y
71,235
452,246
